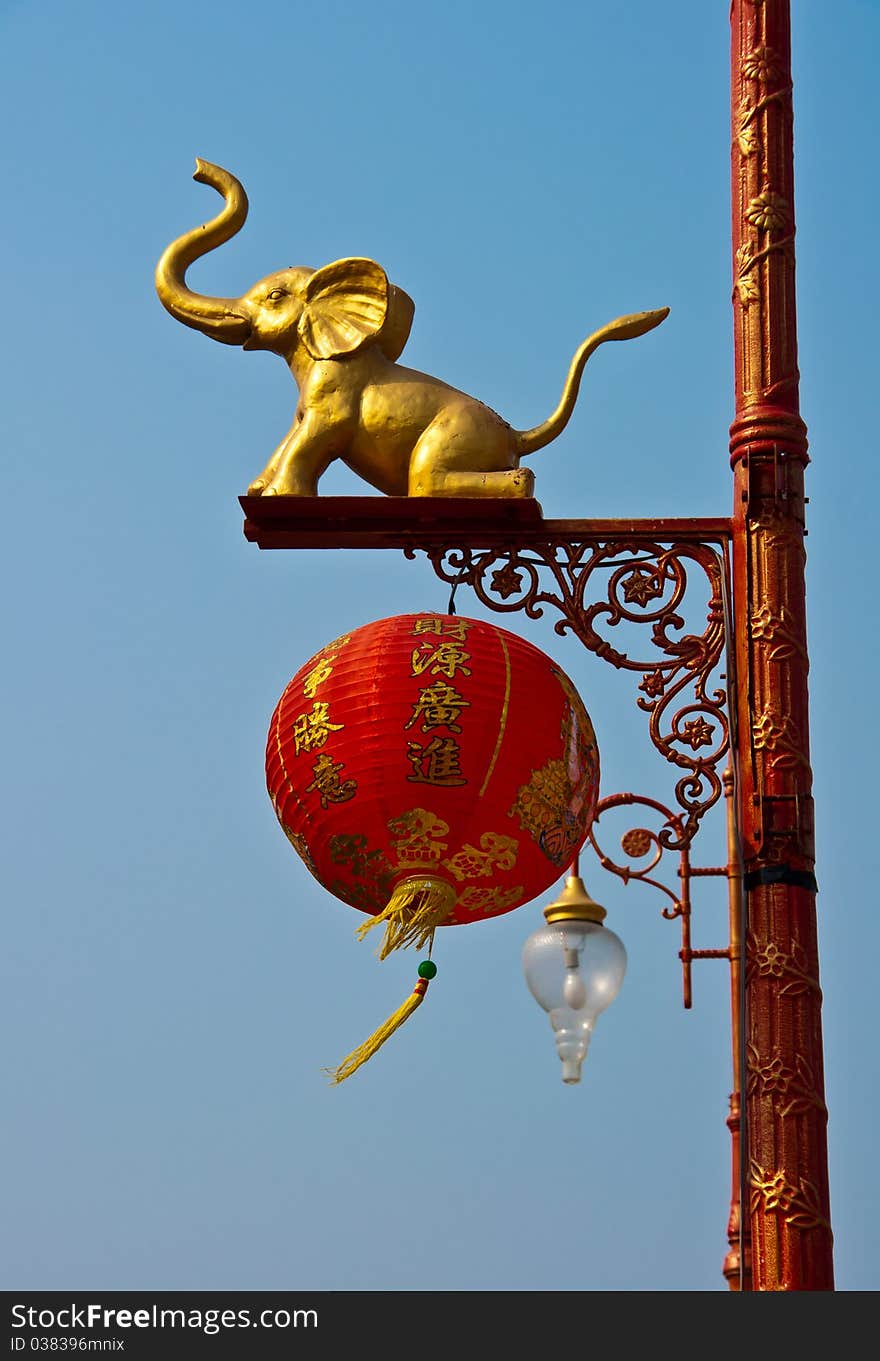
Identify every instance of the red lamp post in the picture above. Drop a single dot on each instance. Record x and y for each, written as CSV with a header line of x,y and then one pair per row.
x,y
787,1172
747,738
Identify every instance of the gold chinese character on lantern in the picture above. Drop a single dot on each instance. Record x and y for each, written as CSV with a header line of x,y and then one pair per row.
x,y
445,660
328,782
318,674
312,729
437,763
443,625
438,706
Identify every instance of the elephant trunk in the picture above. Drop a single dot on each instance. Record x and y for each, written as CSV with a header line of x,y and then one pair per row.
x,y
220,318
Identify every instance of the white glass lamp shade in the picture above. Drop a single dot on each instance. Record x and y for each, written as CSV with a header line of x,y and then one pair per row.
x,y
574,970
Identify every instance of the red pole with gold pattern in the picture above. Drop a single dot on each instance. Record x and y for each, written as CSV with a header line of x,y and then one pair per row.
x,y
784,1107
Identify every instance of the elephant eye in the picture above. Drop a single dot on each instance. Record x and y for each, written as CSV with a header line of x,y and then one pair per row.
x,y
276,294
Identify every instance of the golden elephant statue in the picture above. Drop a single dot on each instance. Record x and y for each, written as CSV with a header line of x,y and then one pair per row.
x,y
341,329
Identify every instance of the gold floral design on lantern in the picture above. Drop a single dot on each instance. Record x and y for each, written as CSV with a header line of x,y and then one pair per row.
x,y
485,899
352,849
542,807
299,845
417,834
498,852
549,806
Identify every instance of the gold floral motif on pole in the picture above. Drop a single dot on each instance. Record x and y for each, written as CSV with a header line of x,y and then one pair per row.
x,y
795,1086
799,1205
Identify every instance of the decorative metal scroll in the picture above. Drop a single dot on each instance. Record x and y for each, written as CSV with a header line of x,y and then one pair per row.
x,y
640,582
640,843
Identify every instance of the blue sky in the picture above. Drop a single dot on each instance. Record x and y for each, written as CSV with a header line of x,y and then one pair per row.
x,y
173,982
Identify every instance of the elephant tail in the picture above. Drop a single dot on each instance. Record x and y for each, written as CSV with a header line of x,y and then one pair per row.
x,y
624,328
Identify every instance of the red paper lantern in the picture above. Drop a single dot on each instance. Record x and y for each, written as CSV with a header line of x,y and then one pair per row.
x,y
432,770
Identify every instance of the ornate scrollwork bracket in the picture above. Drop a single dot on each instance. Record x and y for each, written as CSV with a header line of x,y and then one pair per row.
x,y
640,581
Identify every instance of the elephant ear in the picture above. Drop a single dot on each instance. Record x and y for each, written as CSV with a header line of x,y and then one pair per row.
x,y
398,323
345,306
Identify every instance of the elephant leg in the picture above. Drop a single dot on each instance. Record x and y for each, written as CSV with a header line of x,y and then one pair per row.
x,y
466,451
513,482
299,461
259,484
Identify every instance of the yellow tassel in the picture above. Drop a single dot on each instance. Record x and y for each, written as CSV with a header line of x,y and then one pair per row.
x,y
415,908
366,1050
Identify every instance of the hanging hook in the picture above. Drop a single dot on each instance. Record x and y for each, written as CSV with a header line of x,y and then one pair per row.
x,y
450,609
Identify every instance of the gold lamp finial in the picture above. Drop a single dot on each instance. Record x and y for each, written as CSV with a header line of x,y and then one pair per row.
x,y
574,904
